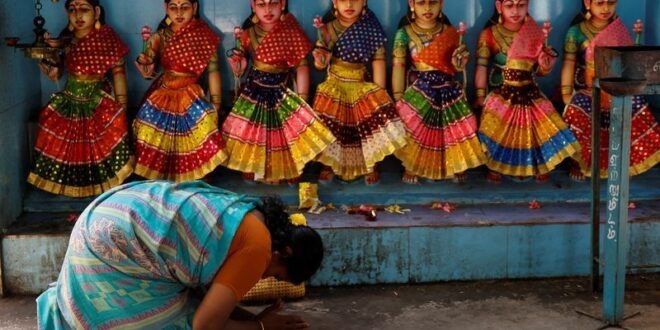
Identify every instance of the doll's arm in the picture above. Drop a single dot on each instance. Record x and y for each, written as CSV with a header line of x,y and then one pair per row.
x,y
119,78
302,79
399,54
481,72
379,66
215,83
568,69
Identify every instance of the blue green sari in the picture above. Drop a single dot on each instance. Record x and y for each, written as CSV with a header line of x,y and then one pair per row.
x,y
137,252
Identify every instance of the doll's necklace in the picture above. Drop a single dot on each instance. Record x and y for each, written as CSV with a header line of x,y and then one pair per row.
x,y
503,37
427,32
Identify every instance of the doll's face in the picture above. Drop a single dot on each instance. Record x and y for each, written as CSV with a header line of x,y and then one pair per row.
x,y
512,11
349,9
82,15
180,12
426,11
602,9
268,11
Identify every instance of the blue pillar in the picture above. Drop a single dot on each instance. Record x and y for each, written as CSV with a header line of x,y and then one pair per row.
x,y
616,227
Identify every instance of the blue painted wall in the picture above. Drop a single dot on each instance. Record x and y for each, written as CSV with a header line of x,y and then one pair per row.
x,y
20,91
128,16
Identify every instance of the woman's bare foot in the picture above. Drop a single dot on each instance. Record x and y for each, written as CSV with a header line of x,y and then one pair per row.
x,y
459,177
326,175
409,178
494,177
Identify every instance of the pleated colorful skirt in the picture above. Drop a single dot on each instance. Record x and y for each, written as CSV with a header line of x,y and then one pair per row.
x,y
363,118
272,132
521,131
442,130
176,132
644,139
82,146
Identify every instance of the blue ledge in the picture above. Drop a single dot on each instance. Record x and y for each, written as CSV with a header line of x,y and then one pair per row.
x,y
392,191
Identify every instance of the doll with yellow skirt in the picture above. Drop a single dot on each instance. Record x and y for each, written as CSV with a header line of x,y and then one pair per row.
x,y
598,26
82,146
271,132
442,129
359,113
176,129
520,130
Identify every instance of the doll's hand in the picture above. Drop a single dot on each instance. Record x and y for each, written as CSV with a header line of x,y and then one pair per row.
x,y
479,102
51,71
638,27
460,58
238,63
146,66
567,98
547,59
321,58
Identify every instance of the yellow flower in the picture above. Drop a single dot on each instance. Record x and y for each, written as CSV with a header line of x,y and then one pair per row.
x,y
298,219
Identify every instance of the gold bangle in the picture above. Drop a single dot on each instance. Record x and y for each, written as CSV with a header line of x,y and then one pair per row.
x,y
121,98
481,92
566,90
216,99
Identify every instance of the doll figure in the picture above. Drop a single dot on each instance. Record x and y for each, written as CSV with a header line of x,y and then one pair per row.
x,y
82,146
442,130
359,113
176,129
597,25
271,132
520,129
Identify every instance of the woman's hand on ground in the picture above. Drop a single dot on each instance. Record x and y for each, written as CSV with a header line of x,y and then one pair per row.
x,y
273,320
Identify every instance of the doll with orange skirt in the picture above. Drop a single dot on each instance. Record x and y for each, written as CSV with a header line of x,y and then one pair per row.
x,y
83,146
176,129
271,132
358,112
523,134
597,25
442,129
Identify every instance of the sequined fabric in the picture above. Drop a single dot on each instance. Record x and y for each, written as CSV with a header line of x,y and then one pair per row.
x,y
521,132
190,49
82,146
360,41
286,45
438,53
176,132
96,53
644,138
271,131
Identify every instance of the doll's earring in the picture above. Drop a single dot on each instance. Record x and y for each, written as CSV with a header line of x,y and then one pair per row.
x,y
97,25
255,19
70,27
364,11
283,16
168,21
412,15
499,19
588,14
440,16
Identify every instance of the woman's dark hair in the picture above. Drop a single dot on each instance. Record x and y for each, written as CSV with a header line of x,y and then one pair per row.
x,y
248,22
407,20
581,17
305,242
330,14
493,20
95,3
163,24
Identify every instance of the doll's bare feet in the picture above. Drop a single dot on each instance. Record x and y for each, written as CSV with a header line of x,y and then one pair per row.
x,y
494,177
459,177
576,174
248,178
372,178
326,175
541,178
409,178
293,182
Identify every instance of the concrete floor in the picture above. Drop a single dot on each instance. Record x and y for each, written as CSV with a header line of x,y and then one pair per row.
x,y
530,304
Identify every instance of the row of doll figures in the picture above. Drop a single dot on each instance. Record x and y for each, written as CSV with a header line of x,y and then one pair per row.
x,y
84,146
